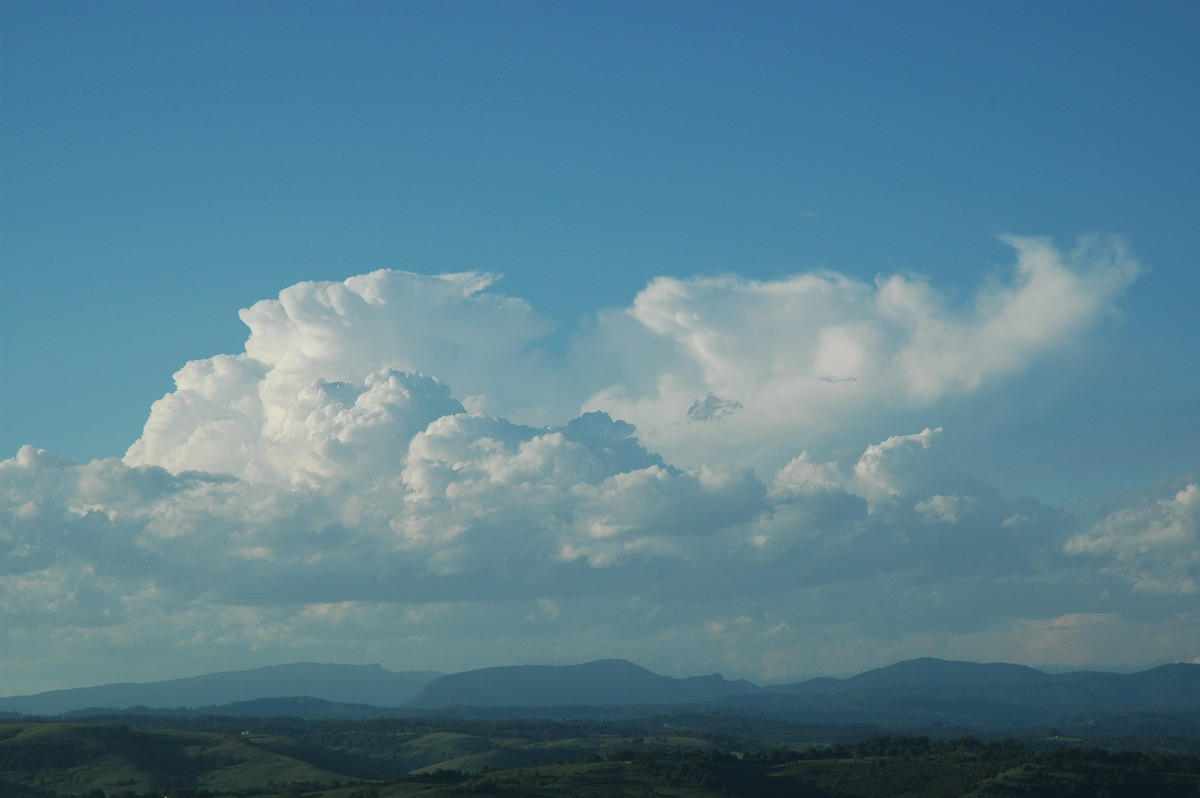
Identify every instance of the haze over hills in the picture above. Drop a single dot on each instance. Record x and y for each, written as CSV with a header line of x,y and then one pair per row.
x,y
947,673
925,689
361,684
938,690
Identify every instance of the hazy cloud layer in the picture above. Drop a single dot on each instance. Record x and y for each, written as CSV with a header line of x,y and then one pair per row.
x,y
395,471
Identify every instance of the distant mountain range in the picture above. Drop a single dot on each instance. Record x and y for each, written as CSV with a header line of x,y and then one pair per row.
x,y
362,684
928,689
915,691
603,682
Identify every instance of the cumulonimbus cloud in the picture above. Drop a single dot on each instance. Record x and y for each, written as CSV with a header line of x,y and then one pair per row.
x,y
396,451
310,377
710,369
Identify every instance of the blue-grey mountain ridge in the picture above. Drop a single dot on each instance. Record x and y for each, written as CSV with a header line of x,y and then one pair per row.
x,y
928,688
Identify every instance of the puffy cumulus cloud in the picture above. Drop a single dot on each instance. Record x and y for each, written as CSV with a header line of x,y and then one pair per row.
x,y
894,512
894,466
341,430
494,537
657,511
1154,544
471,505
325,431
397,320
331,370
486,491
336,377
747,369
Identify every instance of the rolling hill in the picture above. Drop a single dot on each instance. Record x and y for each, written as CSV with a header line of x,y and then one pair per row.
x,y
71,756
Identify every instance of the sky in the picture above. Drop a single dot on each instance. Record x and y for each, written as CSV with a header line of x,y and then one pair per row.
x,y
769,339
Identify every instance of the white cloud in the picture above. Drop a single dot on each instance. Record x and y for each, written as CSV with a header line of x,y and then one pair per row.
x,y
1051,299
1154,544
394,464
800,361
892,467
318,369
561,525
945,509
708,369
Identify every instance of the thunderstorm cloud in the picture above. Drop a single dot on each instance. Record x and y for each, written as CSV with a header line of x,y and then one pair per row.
x,y
397,468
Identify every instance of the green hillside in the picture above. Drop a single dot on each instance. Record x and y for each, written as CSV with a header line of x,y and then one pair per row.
x,y
676,757
67,757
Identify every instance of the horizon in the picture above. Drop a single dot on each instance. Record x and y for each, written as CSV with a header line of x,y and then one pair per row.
x,y
761,339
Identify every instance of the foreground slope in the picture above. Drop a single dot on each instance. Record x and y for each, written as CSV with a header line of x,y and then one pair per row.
x,y
75,756
536,759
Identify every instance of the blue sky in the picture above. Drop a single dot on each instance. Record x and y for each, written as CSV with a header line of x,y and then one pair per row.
x,y
167,165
